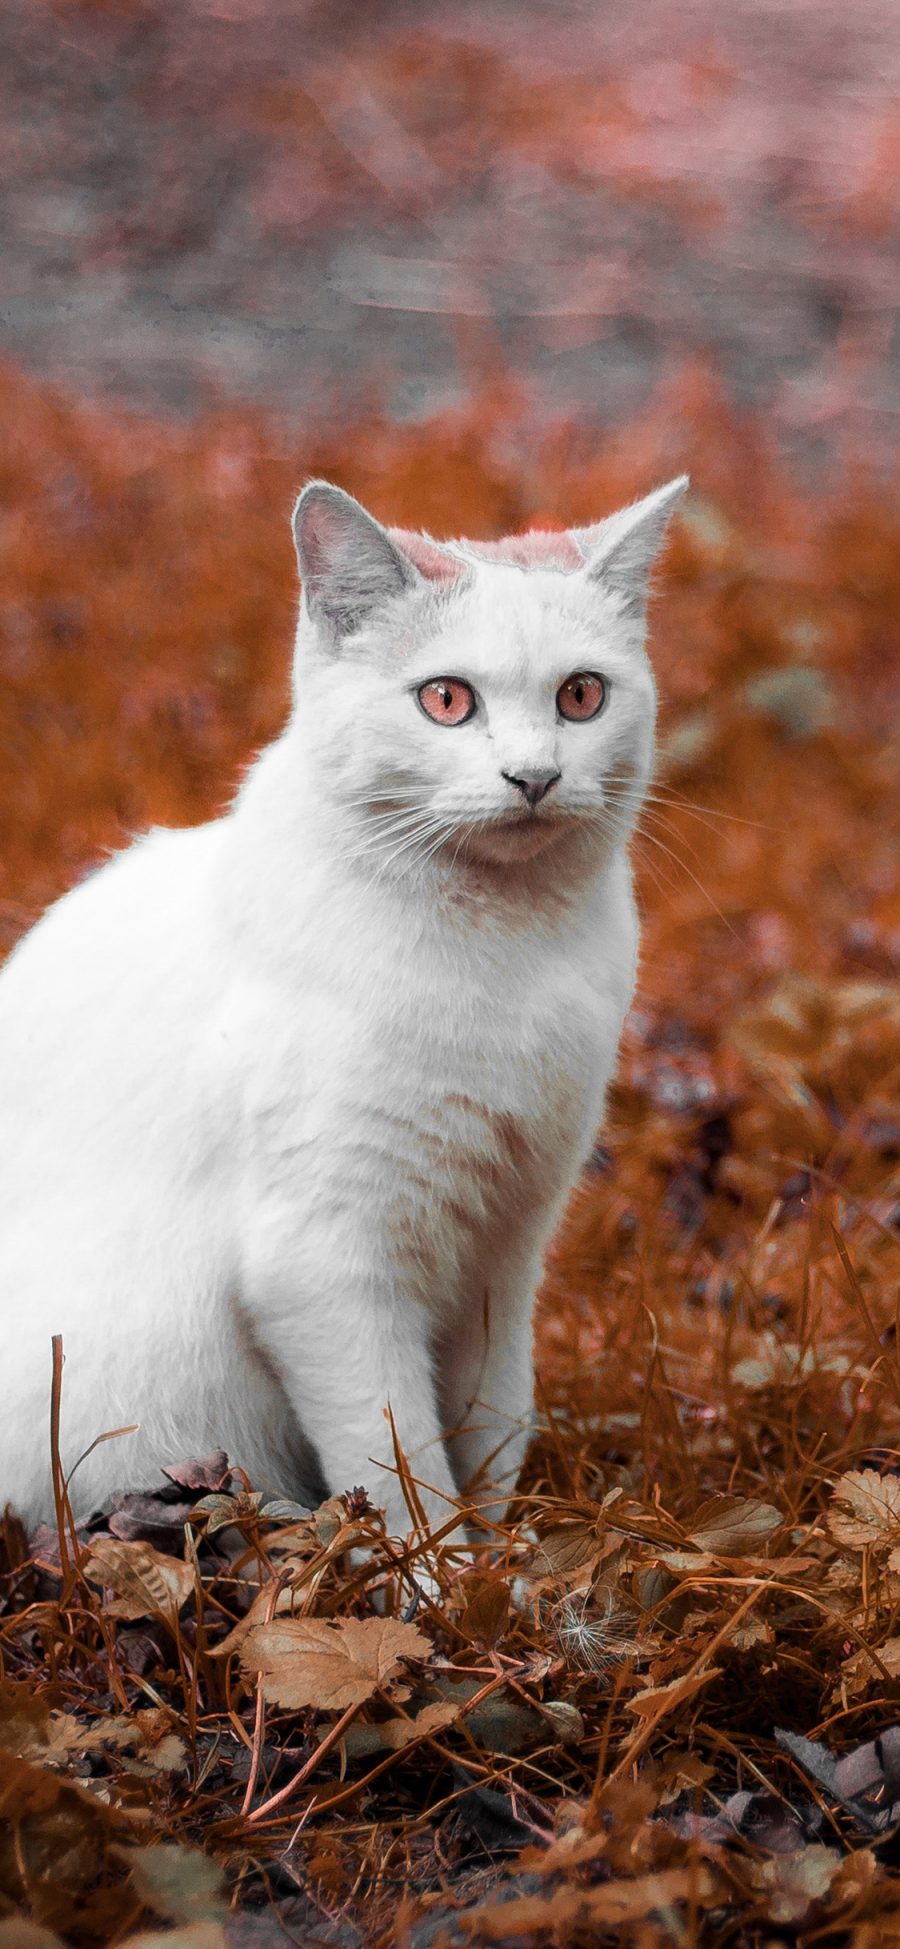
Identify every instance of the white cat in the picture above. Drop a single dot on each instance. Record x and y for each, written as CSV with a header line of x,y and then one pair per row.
x,y
291,1103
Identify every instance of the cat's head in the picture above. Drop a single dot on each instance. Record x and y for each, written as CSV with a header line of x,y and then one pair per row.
x,y
476,700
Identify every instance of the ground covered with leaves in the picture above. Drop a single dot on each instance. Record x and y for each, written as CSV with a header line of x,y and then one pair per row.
x,y
664,1703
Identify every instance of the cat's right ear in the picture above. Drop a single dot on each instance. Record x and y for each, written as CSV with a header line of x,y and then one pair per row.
x,y
349,566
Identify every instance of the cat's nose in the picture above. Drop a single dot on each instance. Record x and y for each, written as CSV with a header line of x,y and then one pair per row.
x,y
533,785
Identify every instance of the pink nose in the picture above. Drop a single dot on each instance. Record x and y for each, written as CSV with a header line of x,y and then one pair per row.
x,y
533,785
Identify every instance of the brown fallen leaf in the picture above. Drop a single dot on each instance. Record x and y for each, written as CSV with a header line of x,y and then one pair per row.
x,y
503,1723
752,1631
733,1525
25,1719
143,1581
568,1548
267,1605
792,1884
860,1672
199,1471
692,1561
588,1909
53,1839
486,1609
646,1704
221,1511
432,1718
180,1884
304,1661
329,1519
391,1735
29,1728
865,1510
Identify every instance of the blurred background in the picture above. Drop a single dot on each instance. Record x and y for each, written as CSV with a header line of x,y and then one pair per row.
x,y
326,208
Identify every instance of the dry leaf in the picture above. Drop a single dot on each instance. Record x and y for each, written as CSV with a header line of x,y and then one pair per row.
x,y
329,1519
143,1581
397,1733
866,1510
692,1561
62,1833
180,1884
855,1875
29,1728
586,1910
793,1883
25,1720
564,1551
860,1672
733,1525
751,1631
221,1511
281,1603
647,1704
486,1609
282,1510
305,1661
199,1471
391,1735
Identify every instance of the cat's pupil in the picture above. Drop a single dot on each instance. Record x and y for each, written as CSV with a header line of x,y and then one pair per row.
x,y
579,693
447,698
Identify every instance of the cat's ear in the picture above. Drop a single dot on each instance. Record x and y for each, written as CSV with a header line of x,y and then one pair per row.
x,y
349,566
621,550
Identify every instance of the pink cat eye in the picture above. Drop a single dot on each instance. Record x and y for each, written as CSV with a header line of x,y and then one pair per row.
x,y
581,697
447,700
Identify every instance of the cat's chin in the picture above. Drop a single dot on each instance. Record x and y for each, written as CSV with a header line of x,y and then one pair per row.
x,y
505,841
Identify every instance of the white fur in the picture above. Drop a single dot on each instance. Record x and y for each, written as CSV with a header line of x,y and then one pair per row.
x,y
287,1116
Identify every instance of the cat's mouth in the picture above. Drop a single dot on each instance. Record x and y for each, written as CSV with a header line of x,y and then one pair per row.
x,y
520,812
527,818
515,835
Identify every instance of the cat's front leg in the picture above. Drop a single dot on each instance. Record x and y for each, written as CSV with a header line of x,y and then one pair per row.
x,y
488,1370
351,1349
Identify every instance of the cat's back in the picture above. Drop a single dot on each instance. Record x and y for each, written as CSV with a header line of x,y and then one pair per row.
x,y
112,934
98,1000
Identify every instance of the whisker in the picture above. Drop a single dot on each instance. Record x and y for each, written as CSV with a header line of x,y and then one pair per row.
x,y
611,832
653,840
652,812
374,799
412,842
654,808
387,824
665,795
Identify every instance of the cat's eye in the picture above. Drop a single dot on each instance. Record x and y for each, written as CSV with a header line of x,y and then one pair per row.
x,y
581,697
447,700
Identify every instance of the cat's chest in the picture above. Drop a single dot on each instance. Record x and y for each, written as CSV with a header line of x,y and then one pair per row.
x,y
453,1084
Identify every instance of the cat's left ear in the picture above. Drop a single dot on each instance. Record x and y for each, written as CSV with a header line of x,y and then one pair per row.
x,y
621,550
349,566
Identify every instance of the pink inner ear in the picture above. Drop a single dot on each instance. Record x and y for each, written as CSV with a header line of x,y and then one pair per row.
x,y
433,561
539,549
324,533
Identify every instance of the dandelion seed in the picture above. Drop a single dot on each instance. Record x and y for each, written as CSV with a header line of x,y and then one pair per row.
x,y
584,1637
